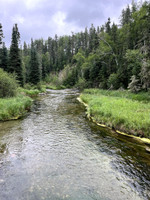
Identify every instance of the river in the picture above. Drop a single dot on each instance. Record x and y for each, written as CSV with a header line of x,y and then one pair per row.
x,y
55,153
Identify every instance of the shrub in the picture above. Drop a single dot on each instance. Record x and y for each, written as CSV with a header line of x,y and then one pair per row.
x,y
81,84
113,81
8,84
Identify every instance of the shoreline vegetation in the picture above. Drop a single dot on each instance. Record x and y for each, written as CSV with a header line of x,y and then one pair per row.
x,y
12,108
110,56
16,101
121,111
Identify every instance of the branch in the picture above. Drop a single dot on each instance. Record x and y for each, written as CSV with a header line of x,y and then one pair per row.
x,y
111,49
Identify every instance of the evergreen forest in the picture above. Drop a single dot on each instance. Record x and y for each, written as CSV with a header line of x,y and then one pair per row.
x,y
111,56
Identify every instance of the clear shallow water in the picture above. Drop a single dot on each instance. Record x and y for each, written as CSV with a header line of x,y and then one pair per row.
x,y
56,153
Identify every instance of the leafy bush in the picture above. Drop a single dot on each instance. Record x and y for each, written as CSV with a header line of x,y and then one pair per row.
x,y
28,86
8,84
113,81
81,84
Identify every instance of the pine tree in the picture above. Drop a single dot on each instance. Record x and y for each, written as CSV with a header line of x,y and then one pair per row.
x,y
145,74
73,44
15,64
4,58
56,52
68,50
114,33
25,49
134,6
86,40
126,16
108,27
147,27
45,64
93,39
1,35
35,72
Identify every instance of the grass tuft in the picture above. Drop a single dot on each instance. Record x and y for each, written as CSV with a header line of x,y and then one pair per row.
x,y
120,109
14,108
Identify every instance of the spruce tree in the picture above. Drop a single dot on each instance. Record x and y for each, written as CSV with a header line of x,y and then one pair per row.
x,y
15,64
91,38
134,6
35,74
86,40
25,49
107,26
45,64
126,16
1,35
68,50
4,58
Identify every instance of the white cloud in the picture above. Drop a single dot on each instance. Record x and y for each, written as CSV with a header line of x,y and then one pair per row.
x,y
33,4
8,1
58,18
30,4
43,18
60,26
18,19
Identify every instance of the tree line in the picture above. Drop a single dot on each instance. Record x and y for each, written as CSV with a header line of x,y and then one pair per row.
x,y
110,56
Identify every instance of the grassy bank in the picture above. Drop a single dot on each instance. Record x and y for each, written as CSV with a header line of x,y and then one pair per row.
x,y
14,108
55,87
121,110
18,106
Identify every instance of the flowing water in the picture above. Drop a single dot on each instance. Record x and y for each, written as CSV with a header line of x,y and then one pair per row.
x,y
56,153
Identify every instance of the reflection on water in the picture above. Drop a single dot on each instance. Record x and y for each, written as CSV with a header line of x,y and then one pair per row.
x,y
56,153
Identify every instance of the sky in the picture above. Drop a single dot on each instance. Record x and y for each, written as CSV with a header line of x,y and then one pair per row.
x,y
43,18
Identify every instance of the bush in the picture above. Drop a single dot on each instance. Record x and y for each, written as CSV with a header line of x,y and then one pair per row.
x,y
113,81
81,84
28,86
8,84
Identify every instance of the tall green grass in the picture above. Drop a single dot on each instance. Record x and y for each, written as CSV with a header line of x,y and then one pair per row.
x,y
120,109
14,108
141,96
32,91
55,87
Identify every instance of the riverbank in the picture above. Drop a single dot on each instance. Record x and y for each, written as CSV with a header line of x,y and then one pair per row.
x,y
16,107
32,151
119,110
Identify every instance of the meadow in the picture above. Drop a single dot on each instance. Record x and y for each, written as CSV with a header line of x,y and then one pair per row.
x,y
120,110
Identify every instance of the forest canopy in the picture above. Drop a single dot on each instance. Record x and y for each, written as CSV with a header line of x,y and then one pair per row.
x,y
110,56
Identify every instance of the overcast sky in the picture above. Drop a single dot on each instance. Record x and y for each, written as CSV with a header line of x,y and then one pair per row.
x,y
43,18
